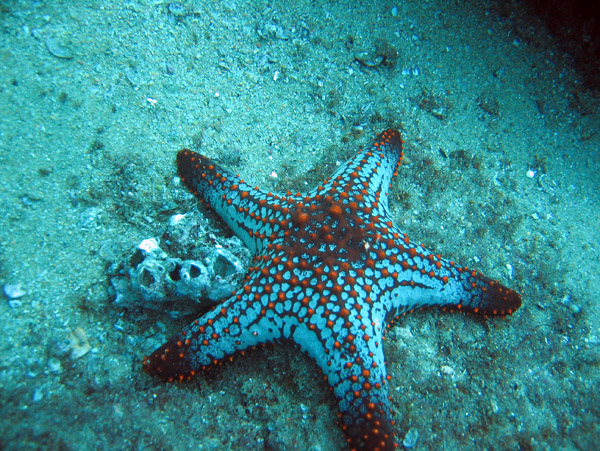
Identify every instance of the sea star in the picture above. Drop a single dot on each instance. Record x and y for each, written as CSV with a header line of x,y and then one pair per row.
x,y
330,273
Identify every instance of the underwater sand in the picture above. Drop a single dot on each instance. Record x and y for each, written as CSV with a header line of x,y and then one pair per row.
x,y
501,173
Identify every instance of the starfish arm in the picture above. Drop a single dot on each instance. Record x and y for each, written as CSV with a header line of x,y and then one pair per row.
x,y
235,325
454,288
365,178
253,215
413,277
364,403
353,362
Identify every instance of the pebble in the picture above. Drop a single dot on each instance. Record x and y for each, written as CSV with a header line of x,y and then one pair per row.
x,y
358,130
14,291
510,270
88,218
447,370
78,343
368,59
54,365
132,77
411,437
567,301
38,394
56,49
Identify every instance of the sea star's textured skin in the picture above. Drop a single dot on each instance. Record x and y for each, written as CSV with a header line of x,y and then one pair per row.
x,y
330,272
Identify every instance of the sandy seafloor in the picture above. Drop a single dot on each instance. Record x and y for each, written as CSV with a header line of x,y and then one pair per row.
x,y
501,173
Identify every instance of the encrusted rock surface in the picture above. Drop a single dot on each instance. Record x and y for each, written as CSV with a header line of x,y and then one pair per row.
x,y
187,265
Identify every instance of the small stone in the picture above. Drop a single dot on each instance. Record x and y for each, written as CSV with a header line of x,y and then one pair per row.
x,y
14,291
88,218
368,59
54,365
358,130
78,343
57,49
510,271
411,437
447,370
494,406
38,395
119,325
567,301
